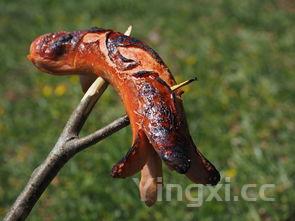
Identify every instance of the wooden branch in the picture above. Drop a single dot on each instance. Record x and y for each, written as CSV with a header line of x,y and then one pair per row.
x,y
66,147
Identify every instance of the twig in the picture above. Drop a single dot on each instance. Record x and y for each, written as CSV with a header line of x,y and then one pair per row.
x,y
66,147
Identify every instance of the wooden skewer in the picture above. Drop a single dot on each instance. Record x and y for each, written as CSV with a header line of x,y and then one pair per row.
x,y
182,84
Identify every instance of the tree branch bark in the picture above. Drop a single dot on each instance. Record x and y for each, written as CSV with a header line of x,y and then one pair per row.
x,y
67,146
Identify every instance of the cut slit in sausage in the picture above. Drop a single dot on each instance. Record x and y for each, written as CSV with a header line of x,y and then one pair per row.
x,y
151,181
135,159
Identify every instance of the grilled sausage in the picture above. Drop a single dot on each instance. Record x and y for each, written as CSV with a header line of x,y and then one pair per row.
x,y
143,83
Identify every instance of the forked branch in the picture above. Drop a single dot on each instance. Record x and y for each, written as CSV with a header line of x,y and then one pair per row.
x,y
66,147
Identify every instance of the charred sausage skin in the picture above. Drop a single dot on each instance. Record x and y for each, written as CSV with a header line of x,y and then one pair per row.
x,y
143,82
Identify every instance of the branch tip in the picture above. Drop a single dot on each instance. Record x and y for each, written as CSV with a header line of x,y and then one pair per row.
x,y
128,31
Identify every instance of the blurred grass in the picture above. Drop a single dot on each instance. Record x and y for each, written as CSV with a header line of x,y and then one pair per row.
x,y
241,111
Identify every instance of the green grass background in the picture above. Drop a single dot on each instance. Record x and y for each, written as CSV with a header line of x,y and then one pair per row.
x,y
240,112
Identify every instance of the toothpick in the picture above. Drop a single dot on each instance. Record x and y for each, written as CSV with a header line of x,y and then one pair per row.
x,y
177,86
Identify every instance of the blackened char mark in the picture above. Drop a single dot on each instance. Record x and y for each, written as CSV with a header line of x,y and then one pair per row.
x,y
140,74
157,107
161,119
176,157
97,30
65,38
147,91
154,75
58,47
118,39
121,62
154,104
